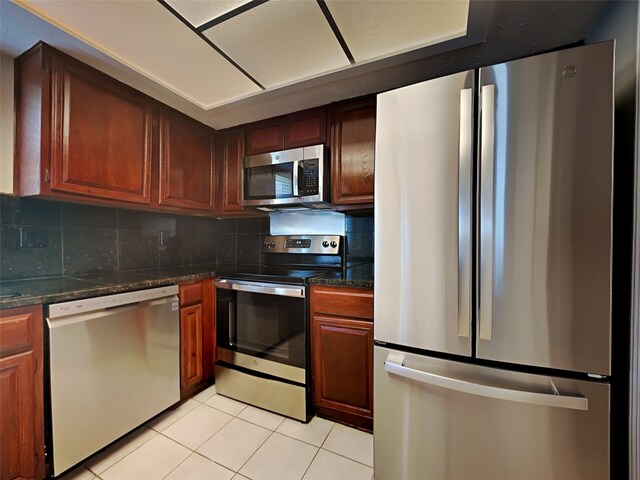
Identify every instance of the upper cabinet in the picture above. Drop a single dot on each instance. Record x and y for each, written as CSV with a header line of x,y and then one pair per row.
x,y
299,129
186,163
353,138
80,134
230,150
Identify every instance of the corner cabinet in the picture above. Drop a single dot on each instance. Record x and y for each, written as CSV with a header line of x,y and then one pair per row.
x,y
186,163
342,354
21,394
229,154
197,336
82,135
353,142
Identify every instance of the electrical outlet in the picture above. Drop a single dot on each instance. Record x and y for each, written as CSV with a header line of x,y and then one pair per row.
x,y
34,237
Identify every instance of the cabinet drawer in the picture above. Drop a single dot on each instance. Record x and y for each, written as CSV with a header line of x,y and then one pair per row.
x,y
190,294
343,301
16,329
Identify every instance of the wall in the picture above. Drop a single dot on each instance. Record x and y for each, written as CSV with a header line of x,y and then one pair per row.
x,y
6,124
83,239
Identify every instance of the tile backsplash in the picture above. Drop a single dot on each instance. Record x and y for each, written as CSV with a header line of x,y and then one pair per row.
x,y
61,238
74,239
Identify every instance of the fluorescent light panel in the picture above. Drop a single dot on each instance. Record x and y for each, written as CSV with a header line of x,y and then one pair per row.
x,y
198,12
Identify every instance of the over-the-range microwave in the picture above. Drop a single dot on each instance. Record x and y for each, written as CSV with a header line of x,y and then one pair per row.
x,y
289,178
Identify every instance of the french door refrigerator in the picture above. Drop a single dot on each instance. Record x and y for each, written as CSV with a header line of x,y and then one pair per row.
x,y
493,231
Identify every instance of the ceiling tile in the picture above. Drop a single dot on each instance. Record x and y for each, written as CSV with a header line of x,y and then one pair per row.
x,y
148,38
377,29
198,12
280,42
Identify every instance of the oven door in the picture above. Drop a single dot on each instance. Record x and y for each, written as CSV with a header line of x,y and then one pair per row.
x,y
262,327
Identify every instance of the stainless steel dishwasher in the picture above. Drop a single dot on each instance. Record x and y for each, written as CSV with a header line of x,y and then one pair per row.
x,y
114,363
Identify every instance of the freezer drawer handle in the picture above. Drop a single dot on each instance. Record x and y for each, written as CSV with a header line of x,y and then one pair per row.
x,y
394,365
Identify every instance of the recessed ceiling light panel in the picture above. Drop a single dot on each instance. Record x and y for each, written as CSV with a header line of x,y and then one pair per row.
x,y
378,29
280,42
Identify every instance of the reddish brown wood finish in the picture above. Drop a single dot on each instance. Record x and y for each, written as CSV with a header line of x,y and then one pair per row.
x,y
265,136
342,354
102,135
197,336
208,329
300,129
186,163
353,134
305,128
190,294
190,346
230,150
21,394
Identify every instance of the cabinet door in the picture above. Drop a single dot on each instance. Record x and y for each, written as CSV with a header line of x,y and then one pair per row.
x,y
265,136
353,137
342,368
230,152
17,417
101,136
186,163
190,346
305,128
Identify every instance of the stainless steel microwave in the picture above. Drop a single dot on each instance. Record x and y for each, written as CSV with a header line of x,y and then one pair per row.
x,y
295,177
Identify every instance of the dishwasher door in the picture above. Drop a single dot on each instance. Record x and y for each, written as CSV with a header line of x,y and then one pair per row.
x,y
114,363
443,420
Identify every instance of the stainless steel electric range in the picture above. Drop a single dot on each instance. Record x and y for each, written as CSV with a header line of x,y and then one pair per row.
x,y
262,340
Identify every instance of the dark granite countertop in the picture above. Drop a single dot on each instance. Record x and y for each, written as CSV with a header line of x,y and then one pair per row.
x,y
353,276
34,291
24,292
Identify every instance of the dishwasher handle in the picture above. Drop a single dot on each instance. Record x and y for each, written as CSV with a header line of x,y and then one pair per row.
x,y
394,365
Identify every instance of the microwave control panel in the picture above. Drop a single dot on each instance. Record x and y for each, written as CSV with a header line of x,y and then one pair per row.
x,y
310,178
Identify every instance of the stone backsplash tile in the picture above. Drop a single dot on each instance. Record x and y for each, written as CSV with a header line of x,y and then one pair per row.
x,y
17,262
88,250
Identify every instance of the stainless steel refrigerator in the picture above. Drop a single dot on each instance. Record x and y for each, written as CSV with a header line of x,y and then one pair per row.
x,y
493,234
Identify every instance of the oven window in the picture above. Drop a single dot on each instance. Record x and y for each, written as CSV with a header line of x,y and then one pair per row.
x,y
265,326
269,182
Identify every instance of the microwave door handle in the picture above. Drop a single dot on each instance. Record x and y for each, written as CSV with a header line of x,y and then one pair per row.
x,y
296,191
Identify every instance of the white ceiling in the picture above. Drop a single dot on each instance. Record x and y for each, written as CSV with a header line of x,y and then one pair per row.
x,y
227,62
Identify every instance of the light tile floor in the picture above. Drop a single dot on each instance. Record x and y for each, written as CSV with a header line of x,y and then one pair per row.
x,y
211,437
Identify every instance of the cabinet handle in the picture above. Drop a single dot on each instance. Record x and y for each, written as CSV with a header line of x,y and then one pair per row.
x,y
47,177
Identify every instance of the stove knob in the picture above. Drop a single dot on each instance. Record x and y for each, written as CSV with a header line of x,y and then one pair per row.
x,y
334,244
272,245
325,244
266,244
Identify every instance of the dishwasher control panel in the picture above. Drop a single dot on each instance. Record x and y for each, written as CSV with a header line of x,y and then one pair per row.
x,y
64,309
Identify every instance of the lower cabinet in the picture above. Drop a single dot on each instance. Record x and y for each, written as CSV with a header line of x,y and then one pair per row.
x,y
197,336
21,394
342,354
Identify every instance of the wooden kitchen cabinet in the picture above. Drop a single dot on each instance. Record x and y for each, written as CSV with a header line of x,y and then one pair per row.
x,y
229,154
353,136
21,394
197,336
80,132
299,129
186,163
342,354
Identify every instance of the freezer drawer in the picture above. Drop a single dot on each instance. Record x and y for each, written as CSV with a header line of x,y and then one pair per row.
x,y
442,420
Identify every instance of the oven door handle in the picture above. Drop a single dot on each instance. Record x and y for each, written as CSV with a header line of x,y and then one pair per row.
x,y
266,288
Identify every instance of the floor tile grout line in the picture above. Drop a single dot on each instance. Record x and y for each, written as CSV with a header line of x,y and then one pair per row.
x,y
120,459
348,458
255,451
310,463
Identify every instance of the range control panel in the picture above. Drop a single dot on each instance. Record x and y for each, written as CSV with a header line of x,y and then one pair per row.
x,y
312,244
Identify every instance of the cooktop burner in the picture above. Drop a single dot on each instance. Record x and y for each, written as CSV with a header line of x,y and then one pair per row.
x,y
295,258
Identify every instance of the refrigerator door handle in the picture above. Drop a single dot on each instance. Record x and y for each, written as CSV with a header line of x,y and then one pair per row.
x,y
394,365
487,152
464,212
